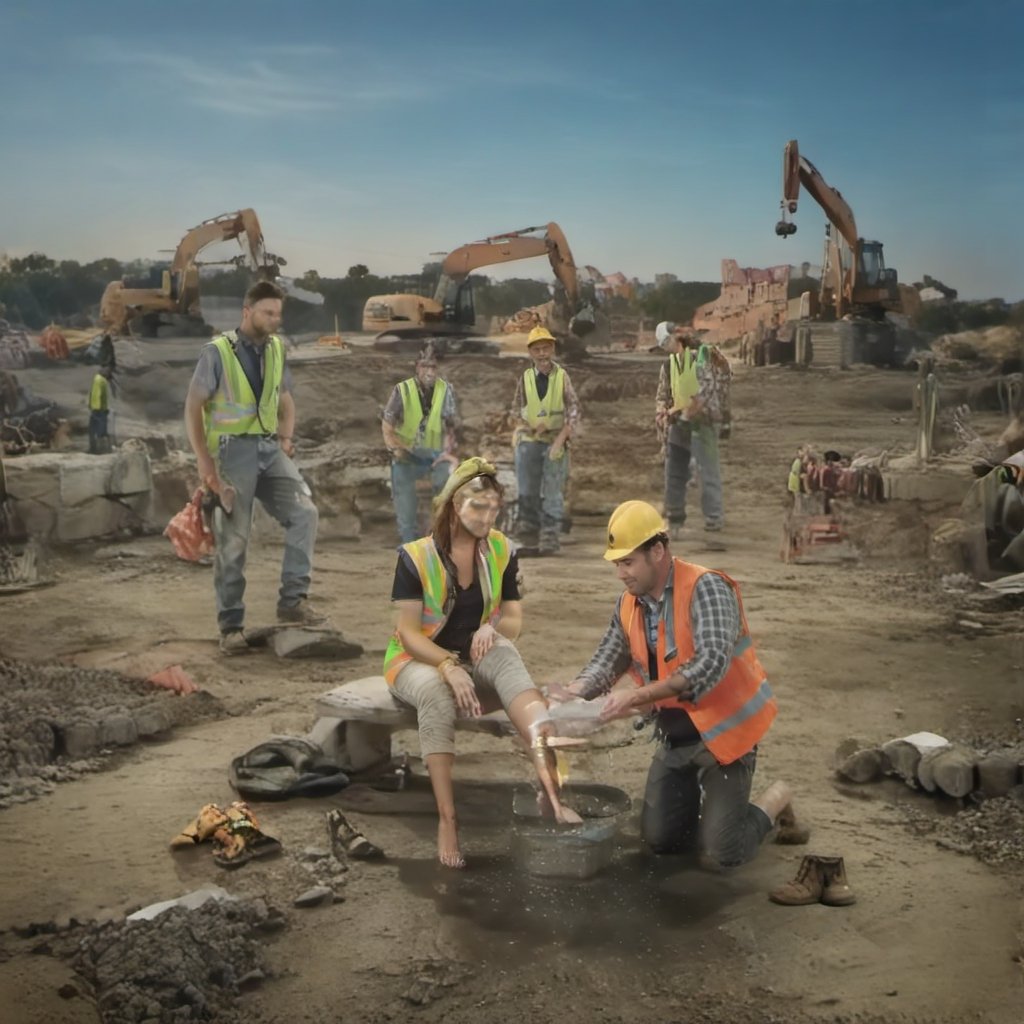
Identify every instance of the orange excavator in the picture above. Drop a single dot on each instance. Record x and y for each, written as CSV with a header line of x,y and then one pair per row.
x,y
175,304
451,311
856,286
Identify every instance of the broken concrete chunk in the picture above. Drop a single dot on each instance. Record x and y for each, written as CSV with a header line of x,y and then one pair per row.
x,y
313,643
997,774
865,765
118,730
905,754
952,768
314,897
79,739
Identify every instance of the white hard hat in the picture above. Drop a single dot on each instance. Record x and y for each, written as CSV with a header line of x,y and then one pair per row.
x,y
663,332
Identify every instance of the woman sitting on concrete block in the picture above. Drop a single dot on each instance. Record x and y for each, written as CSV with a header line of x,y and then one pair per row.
x,y
452,652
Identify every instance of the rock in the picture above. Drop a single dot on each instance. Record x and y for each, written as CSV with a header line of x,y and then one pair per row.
x,y
314,897
953,769
904,754
313,643
864,765
151,720
315,853
118,730
79,739
997,774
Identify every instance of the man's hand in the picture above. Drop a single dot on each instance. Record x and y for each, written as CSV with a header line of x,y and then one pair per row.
x,y
464,691
287,446
682,685
559,694
482,642
557,449
208,475
618,704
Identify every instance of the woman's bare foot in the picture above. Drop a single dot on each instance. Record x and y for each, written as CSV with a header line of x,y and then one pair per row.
x,y
567,816
448,852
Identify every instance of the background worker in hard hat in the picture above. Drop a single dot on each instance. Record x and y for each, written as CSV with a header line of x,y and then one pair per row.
x,y
240,419
419,427
99,410
694,387
546,411
680,632
452,652
674,431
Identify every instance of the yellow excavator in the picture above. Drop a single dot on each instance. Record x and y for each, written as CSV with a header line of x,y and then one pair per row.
x,y
451,313
175,304
856,286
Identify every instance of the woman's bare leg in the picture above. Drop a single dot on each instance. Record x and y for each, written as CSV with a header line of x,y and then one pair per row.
x,y
528,713
440,768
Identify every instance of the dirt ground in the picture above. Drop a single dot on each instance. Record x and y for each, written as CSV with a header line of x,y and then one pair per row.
x,y
868,648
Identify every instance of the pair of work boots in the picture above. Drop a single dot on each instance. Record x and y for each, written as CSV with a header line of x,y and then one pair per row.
x,y
819,880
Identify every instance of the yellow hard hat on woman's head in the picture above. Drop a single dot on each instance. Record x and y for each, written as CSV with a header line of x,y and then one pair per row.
x,y
631,524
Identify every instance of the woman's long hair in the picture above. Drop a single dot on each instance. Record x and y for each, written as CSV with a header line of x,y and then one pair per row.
x,y
445,517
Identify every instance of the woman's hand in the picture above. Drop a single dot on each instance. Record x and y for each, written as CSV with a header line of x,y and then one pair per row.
x,y
483,641
462,687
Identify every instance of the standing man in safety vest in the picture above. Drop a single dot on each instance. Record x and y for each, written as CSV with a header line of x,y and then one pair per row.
x,y
419,427
99,410
240,419
680,632
546,412
692,412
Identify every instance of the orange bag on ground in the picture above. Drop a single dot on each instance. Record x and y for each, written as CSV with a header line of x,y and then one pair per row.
x,y
187,531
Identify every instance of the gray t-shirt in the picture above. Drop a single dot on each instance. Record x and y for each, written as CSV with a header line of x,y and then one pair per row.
x,y
208,372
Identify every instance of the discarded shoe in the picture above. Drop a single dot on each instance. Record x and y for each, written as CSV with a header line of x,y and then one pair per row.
x,y
805,889
837,891
240,840
233,643
344,839
789,832
209,819
302,614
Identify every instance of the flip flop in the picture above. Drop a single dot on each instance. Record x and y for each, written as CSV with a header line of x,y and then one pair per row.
x,y
209,819
240,839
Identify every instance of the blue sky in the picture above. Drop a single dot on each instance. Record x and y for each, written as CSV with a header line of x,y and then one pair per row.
x,y
380,132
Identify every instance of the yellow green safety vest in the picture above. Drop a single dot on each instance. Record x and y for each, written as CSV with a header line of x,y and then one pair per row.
x,y
793,484
233,409
99,394
683,367
439,594
547,414
412,414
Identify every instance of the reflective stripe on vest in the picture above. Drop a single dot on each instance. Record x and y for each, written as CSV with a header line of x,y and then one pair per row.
x,y
233,409
99,400
439,595
547,413
684,377
734,715
412,415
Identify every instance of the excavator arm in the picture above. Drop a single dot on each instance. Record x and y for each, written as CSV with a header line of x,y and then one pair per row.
x,y
797,170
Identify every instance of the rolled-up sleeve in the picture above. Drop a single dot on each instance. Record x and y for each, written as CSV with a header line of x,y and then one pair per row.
x,y
715,620
610,661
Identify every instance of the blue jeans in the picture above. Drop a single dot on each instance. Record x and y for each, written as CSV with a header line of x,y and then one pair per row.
x,y
691,803
404,474
704,442
259,470
99,440
677,476
540,483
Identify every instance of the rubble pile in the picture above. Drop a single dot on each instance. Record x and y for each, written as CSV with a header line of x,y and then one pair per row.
x,y
55,719
180,966
15,347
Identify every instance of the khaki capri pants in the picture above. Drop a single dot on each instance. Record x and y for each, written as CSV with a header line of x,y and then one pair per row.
x,y
499,677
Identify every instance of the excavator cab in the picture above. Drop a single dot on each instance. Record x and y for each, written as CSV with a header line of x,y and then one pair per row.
x,y
458,303
873,274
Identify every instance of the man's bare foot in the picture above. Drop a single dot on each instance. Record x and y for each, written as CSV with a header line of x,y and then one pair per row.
x,y
448,852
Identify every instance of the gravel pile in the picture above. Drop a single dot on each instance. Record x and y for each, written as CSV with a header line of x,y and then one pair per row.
x,y
184,965
56,719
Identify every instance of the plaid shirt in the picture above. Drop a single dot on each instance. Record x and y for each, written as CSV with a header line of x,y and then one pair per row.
x,y
714,621
714,375
570,400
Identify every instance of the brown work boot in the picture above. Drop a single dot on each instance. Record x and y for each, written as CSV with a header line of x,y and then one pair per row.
x,y
837,891
302,614
805,889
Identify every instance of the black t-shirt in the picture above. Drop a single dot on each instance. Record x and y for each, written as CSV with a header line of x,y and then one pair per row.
x,y
464,620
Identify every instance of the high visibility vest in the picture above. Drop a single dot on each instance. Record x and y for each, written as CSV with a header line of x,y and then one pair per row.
x,y
547,413
439,592
99,394
412,415
234,409
683,369
733,716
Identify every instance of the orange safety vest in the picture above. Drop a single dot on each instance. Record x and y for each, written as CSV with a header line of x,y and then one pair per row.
x,y
733,716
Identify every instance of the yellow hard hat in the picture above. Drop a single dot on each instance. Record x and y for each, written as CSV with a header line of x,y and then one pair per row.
x,y
539,334
632,523
461,475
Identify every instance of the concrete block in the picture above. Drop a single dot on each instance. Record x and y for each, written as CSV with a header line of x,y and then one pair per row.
x,y
118,730
944,487
151,720
83,477
95,517
130,474
79,739
997,774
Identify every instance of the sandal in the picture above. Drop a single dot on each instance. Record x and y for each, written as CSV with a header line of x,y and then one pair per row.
x,y
346,840
209,819
240,840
